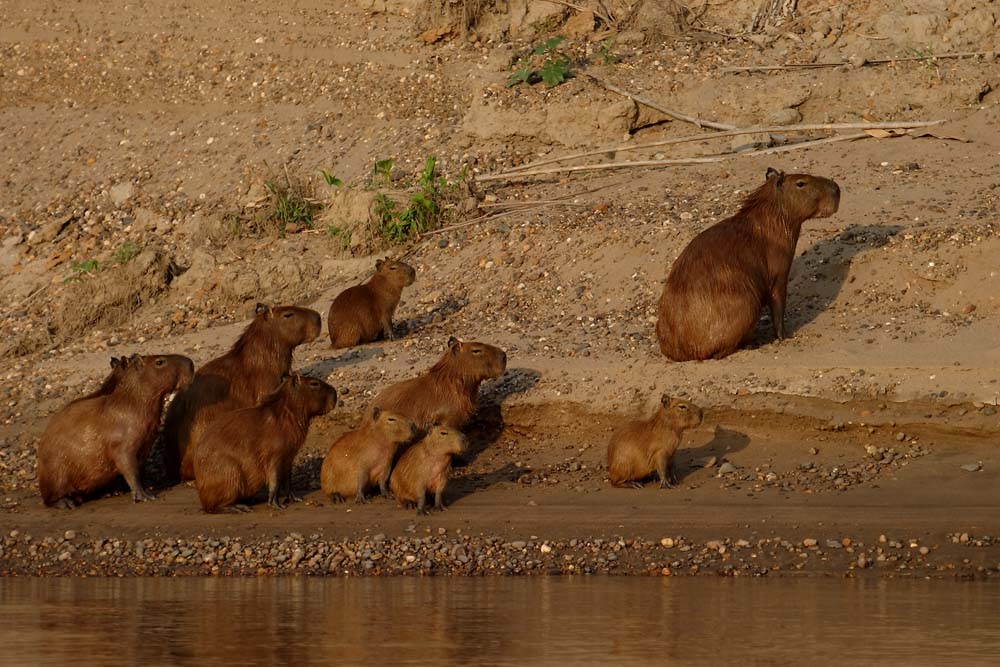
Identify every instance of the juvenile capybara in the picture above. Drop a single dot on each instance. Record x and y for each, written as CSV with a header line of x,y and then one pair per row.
x,y
244,450
424,468
109,432
240,378
447,393
362,459
713,296
362,313
640,448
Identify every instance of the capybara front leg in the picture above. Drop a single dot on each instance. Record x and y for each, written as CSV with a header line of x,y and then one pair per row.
x,y
359,497
663,471
387,331
128,466
778,293
439,500
273,487
289,494
422,502
383,486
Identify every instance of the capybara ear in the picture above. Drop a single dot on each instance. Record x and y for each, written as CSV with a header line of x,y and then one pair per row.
x,y
376,411
454,343
665,399
116,362
379,263
262,308
135,360
774,173
296,379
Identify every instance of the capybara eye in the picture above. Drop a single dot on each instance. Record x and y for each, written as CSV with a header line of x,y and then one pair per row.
x,y
477,351
287,315
800,184
160,362
682,406
392,419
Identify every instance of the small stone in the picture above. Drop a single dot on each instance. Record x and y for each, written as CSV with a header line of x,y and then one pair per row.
x,y
519,544
900,437
727,468
863,562
814,450
70,534
809,542
710,462
65,556
667,542
972,467
784,117
545,549
924,551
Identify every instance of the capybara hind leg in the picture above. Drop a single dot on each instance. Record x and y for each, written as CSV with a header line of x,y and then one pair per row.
x,y
383,486
128,467
663,472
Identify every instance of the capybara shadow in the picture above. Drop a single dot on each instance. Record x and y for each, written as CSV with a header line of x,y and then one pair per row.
x,y
725,276
811,298
486,424
724,442
356,355
471,483
440,312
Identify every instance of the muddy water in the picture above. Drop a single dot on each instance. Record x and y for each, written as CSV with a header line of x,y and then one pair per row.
x,y
543,621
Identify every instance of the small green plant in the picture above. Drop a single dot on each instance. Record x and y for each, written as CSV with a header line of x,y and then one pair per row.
x,y
421,212
608,56
546,63
330,179
81,269
126,252
290,205
339,232
382,172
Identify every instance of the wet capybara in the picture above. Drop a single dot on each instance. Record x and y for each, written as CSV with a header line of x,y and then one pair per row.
x,y
109,432
240,378
244,450
715,290
362,459
640,448
447,393
424,468
363,313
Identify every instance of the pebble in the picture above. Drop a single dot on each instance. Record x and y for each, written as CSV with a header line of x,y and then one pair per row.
x,y
726,468
972,467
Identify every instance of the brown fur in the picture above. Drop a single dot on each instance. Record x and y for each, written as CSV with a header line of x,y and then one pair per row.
x,y
712,298
424,468
447,393
640,448
109,432
244,450
362,459
363,313
241,378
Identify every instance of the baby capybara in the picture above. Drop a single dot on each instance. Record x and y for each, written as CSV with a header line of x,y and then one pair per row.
x,y
720,281
640,448
361,459
447,393
109,432
362,313
244,450
240,378
424,468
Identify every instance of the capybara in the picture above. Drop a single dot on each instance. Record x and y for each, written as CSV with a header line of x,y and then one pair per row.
x,y
108,432
244,450
713,296
425,466
447,393
240,378
640,448
362,313
362,459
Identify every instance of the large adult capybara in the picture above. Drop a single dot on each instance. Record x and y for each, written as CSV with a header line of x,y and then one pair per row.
x,y
717,286
424,468
244,450
240,378
363,313
109,432
447,393
362,459
640,448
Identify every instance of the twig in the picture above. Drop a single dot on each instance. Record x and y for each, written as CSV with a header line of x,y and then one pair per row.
x,y
886,125
474,221
532,202
807,144
880,61
600,167
659,107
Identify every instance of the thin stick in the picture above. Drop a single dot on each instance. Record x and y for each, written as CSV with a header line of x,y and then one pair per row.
x,y
881,61
806,144
884,125
599,167
531,202
659,107
474,221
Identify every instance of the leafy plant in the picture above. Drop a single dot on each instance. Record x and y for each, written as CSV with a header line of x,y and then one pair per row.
x,y
343,234
290,205
609,57
126,252
330,179
546,63
420,213
382,171
81,269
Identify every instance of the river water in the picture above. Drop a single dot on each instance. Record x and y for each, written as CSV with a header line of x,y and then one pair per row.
x,y
504,621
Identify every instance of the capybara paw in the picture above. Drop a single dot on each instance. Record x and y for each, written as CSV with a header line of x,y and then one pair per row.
x,y
666,484
65,504
636,485
276,504
142,495
293,498
238,509
361,500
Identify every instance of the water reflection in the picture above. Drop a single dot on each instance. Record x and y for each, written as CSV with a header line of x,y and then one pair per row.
x,y
549,621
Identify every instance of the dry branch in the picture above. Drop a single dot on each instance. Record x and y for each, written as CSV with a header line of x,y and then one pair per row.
x,y
885,125
879,61
652,104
